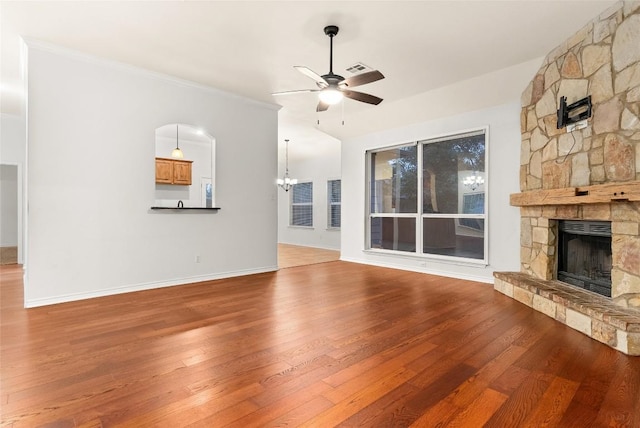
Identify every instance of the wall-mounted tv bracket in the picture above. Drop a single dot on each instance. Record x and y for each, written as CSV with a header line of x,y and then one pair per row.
x,y
568,114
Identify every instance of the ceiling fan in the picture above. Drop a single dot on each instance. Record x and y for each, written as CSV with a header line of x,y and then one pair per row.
x,y
333,87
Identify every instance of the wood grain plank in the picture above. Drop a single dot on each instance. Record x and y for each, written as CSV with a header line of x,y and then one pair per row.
x,y
387,411
552,404
621,404
474,386
437,415
362,398
478,412
194,408
286,406
437,382
521,402
301,414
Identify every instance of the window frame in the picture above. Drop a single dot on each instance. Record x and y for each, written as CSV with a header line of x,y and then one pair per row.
x,y
370,215
419,216
292,204
330,204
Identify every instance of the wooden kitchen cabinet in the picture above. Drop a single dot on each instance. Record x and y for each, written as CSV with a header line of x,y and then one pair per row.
x,y
173,171
164,171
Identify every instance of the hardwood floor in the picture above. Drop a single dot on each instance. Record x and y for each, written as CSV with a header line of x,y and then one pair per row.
x,y
330,344
8,255
296,255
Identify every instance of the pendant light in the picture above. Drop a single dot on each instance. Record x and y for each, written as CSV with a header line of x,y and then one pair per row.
x,y
286,182
177,153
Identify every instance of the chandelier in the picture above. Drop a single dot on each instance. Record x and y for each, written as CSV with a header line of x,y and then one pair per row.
x,y
473,181
286,182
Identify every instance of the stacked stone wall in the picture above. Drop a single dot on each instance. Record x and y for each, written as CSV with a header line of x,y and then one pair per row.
x,y
601,60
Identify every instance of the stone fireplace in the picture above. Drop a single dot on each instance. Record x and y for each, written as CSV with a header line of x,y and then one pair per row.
x,y
584,255
589,174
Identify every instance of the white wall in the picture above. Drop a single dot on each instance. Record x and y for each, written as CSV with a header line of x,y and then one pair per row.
x,y
90,181
502,179
313,156
12,139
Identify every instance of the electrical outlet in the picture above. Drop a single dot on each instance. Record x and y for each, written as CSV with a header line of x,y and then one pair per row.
x,y
577,126
197,258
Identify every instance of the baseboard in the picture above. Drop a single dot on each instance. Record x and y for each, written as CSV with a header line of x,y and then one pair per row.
x,y
426,270
72,297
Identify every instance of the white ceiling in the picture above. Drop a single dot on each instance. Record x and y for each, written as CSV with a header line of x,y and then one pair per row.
x,y
250,47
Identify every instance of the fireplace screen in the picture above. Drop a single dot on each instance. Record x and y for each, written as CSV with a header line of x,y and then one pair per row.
x,y
584,255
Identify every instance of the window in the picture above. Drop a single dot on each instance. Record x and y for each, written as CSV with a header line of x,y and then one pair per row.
x,y
302,205
333,204
428,197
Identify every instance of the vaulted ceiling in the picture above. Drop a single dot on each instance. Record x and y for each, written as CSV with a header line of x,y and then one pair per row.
x,y
250,47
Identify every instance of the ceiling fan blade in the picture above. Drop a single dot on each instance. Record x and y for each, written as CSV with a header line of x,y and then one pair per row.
x,y
361,96
322,106
297,91
363,79
313,75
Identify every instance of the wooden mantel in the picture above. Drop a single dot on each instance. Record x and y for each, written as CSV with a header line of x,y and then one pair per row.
x,y
596,194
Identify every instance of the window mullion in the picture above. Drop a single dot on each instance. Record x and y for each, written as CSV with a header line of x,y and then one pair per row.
x,y
367,199
419,233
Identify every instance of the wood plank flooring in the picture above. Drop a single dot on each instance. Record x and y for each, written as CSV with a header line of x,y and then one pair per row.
x,y
8,255
295,255
329,344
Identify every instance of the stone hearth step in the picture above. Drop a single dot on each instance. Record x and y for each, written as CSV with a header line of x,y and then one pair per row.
x,y
596,316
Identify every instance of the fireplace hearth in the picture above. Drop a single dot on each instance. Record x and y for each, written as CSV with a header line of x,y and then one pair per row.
x,y
584,255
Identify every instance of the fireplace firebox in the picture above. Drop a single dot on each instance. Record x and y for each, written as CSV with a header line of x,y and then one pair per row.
x,y
584,255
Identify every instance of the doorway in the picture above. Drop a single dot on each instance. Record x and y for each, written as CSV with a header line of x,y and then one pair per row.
x,y
9,215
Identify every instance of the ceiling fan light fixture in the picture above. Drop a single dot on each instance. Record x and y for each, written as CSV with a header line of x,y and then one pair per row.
x,y
330,96
332,88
